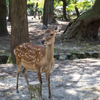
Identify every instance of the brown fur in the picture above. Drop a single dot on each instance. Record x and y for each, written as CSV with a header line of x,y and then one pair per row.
x,y
36,58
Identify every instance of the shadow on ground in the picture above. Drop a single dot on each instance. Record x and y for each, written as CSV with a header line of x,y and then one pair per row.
x,y
70,80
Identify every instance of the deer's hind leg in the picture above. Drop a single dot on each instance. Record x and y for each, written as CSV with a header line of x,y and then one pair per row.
x,y
18,71
25,76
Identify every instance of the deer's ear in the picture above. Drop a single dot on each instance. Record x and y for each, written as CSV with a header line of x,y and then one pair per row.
x,y
44,27
57,29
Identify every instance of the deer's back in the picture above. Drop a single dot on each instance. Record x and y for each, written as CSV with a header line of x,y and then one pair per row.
x,y
30,55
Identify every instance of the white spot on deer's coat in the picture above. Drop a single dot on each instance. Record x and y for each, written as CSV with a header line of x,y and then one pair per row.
x,y
37,59
25,53
17,49
30,56
18,55
33,56
28,61
14,51
36,62
21,46
39,49
25,47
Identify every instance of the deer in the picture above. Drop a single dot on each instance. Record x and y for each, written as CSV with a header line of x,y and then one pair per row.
x,y
37,58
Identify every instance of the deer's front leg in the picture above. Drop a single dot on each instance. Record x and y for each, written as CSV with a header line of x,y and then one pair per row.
x,y
47,74
40,80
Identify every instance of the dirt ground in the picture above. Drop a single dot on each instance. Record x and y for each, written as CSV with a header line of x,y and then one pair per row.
x,y
70,80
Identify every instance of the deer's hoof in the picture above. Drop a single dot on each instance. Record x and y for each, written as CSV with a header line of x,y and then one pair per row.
x,y
50,98
17,91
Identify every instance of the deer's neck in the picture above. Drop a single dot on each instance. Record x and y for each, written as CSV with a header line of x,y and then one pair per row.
x,y
49,52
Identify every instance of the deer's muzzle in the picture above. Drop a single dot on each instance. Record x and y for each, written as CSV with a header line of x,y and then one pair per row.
x,y
42,41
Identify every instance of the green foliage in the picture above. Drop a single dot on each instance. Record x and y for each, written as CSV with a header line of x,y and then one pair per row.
x,y
2,78
58,3
81,5
31,4
40,3
84,5
71,7
7,2
11,60
86,44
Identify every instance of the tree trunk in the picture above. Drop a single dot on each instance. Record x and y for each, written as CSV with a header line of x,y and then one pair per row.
x,y
77,12
51,18
64,9
3,26
45,13
19,24
85,26
9,14
48,14
35,10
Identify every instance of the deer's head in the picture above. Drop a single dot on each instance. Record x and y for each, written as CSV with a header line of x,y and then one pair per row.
x,y
49,36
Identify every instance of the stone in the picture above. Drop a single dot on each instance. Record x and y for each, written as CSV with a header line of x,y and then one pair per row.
x,y
63,56
92,54
73,57
56,56
81,55
34,88
95,55
68,55
88,54
3,59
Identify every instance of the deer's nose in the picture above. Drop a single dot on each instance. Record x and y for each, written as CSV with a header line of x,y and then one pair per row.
x,y
42,41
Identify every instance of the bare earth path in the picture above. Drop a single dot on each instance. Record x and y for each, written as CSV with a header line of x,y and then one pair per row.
x,y
70,80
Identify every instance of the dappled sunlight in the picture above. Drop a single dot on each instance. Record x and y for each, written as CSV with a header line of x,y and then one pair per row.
x,y
72,79
8,88
71,91
86,73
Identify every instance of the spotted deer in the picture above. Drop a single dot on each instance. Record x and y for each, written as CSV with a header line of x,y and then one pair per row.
x,y
37,58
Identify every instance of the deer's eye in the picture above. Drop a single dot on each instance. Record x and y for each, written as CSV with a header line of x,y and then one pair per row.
x,y
51,34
